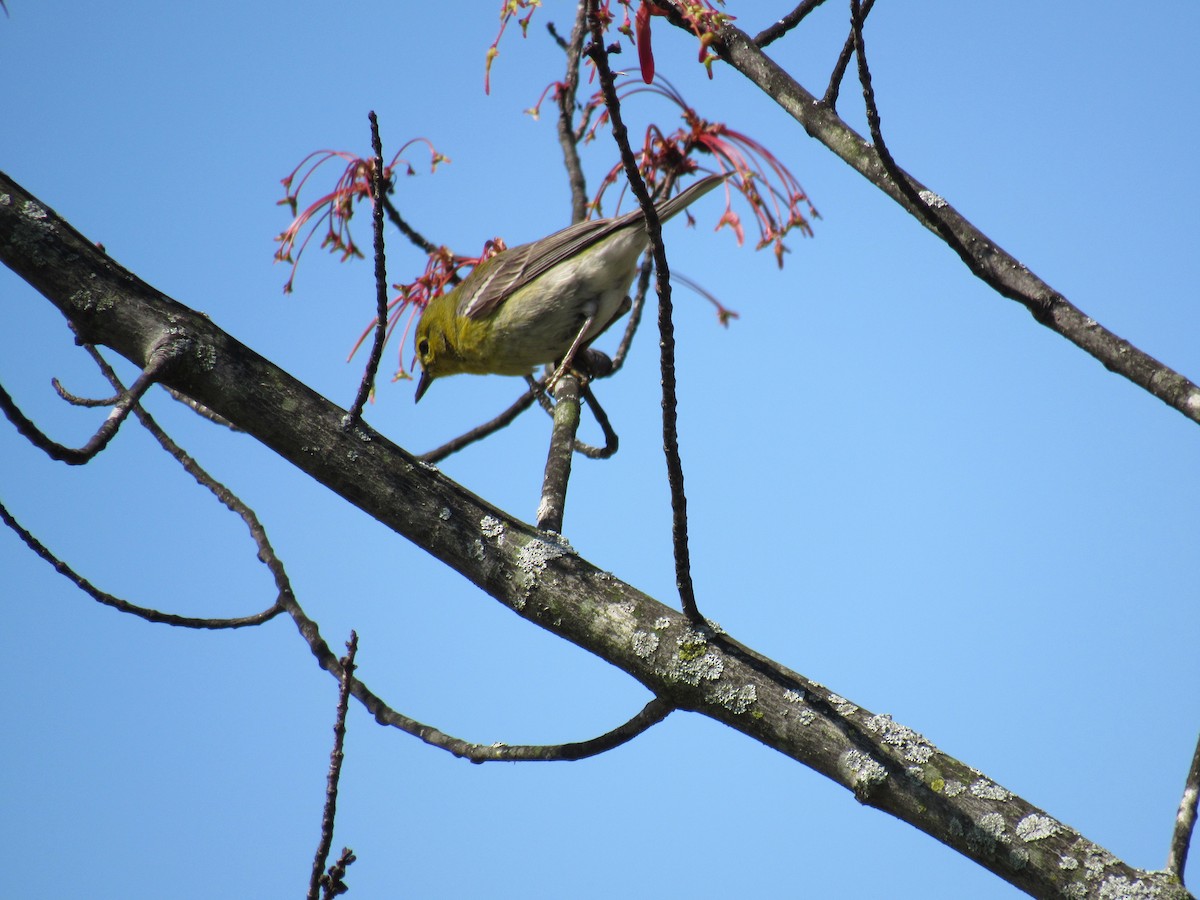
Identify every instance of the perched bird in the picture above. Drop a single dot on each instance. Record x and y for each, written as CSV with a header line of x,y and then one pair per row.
x,y
541,302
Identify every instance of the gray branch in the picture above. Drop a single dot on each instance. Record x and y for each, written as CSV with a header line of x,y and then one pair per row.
x,y
536,574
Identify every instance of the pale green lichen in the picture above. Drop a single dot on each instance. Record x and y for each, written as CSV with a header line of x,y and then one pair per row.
x,y
911,745
737,700
644,643
1121,887
535,556
842,705
1034,828
989,790
861,771
491,527
693,671
992,824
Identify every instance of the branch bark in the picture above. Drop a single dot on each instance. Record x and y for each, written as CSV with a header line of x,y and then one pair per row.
x,y
537,575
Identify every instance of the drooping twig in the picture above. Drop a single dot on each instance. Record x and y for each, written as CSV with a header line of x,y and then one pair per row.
x,y
1185,820
264,551
787,23
331,881
142,612
611,441
683,573
381,300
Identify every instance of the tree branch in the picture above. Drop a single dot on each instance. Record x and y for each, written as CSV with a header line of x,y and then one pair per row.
x,y
885,764
988,261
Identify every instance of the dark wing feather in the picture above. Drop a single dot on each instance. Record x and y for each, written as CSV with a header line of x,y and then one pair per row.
x,y
491,283
513,269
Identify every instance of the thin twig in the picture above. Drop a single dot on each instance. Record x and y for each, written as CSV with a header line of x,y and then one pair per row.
x,y
319,877
419,240
683,573
567,92
334,884
481,431
923,210
1185,820
126,400
142,612
611,441
264,551
85,402
200,409
839,68
635,313
787,23
354,416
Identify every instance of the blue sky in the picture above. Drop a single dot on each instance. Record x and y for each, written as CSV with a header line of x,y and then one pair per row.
x,y
899,484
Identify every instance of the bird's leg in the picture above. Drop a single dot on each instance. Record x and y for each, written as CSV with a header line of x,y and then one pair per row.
x,y
565,365
577,345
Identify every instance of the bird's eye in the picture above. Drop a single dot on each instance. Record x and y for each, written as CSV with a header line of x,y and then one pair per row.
x,y
423,347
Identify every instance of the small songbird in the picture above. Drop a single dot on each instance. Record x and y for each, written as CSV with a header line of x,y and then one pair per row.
x,y
540,302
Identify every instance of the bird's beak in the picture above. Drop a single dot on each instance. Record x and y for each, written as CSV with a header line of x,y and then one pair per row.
x,y
422,386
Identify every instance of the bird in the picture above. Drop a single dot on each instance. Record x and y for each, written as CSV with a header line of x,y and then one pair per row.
x,y
540,302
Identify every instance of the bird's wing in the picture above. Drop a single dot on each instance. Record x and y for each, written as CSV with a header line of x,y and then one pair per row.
x,y
513,269
491,283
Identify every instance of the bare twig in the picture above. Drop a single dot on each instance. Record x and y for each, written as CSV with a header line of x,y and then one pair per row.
x,y
843,61
683,573
1185,820
265,552
611,441
125,401
142,612
635,313
566,96
927,213
354,416
418,240
333,883
787,23
481,431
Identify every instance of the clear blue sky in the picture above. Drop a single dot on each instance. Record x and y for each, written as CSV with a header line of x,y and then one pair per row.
x,y
900,485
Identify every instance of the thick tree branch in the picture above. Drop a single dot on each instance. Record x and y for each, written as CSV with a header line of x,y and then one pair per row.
x,y
991,263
